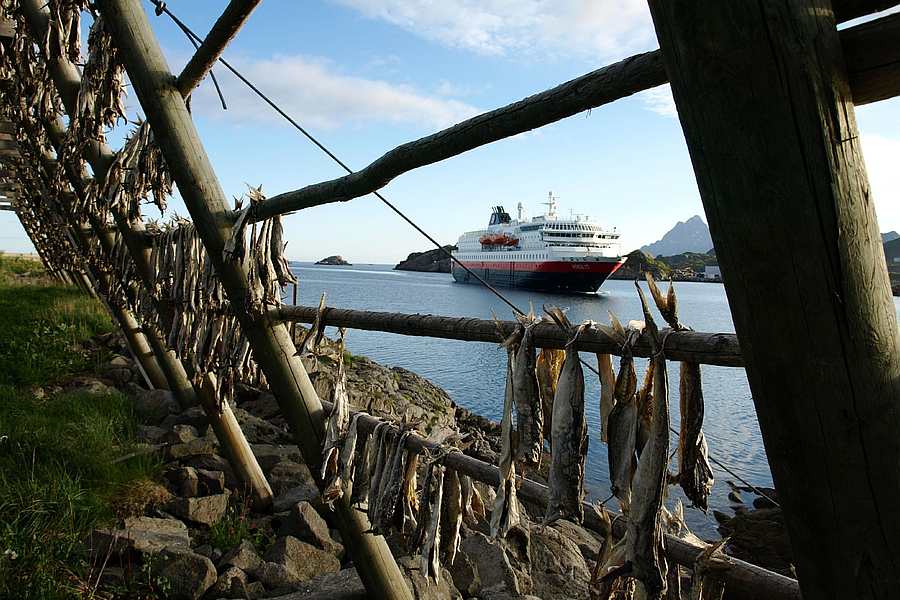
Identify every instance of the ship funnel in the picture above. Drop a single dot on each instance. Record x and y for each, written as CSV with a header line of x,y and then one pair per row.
x,y
521,212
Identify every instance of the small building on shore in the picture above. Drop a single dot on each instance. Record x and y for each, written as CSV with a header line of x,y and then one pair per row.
x,y
712,273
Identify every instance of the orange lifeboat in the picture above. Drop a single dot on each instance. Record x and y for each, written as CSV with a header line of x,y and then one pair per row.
x,y
498,239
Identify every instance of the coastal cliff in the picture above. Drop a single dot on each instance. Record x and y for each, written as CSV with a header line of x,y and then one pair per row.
x,y
431,261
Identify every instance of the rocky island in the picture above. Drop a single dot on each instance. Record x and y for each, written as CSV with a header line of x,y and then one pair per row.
x,y
430,261
335,260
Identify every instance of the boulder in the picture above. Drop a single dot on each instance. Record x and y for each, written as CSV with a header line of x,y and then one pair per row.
x,y
181,434
558,570
277,577
303,560
193,416
145,535
465,576
93,387
588,542
287,474
243,557
183,481
188,575
260,431
264,406
214,463
496,565
269,455
150,434
197,447
204,510
308,526
153,406
210,482
292,496
424,588
232,583
343,585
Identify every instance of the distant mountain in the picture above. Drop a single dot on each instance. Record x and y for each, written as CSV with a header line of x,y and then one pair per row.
x,y
890,236
687,236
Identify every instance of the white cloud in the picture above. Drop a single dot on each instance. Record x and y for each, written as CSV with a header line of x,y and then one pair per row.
x,y
880,154
311,91
584,28
659,100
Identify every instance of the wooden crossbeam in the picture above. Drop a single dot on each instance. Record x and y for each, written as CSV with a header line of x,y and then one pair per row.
x,y
873,45
14,152
7,28
8,144
223,31
872,54
7,127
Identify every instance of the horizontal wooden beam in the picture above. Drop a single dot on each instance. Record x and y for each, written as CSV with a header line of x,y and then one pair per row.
x,y
8,144
223,31
9,152
7,127
707,348
7,28
872,54
876,75
744,580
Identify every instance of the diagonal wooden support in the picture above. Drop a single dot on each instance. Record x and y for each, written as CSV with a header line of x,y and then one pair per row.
x,y
223,31
272,347
764,101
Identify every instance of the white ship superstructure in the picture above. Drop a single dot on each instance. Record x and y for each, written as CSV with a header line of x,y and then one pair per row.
x,y
544,253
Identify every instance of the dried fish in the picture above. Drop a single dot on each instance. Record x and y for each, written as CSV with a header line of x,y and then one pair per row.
x,y
431,566
547,368
367,447
505,514
667,305
451,521
707,582
384,454
694,471
335,430
645,407
607,396
409,500
605,580
392,486
529,411
348,456
644,549
568,437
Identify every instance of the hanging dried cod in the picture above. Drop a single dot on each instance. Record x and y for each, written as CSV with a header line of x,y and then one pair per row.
x,y
568,436
505,514
335,430
451,521
694,471
607,395
622,432
433,494
549,364
707,582
644,536
526,392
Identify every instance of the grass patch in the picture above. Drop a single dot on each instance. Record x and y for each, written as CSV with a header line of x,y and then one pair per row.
x,y
57,478
235,527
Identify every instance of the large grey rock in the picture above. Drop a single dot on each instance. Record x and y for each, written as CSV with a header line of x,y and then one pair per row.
x,y
465,575
243,556
145,535
181,434
497,564
193,416
210,482
558,570
150,434
277,577
343,585
424,588
152,406
292,496
183,481
214,462
587,542
307,525
287,474
205,510
197,447
232,583
188,575
260,431
303,560
269,455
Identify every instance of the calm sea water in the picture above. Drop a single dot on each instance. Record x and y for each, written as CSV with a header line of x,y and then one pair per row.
x,y
474,373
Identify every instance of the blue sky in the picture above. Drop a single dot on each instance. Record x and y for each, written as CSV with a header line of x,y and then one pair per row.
x,y
367,75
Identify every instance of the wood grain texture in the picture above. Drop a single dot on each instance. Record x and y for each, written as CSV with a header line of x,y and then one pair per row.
x,y
763,98
708,348
272,347
7,28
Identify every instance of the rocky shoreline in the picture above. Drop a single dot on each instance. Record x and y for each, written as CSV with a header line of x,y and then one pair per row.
x,y
295,551
430,261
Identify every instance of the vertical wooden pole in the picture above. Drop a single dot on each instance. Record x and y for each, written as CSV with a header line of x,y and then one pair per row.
x,y
272,347
761,91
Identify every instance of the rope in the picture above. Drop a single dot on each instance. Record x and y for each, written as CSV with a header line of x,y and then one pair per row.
x,y
161,8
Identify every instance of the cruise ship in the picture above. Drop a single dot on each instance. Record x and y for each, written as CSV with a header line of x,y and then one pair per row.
x,y
545,253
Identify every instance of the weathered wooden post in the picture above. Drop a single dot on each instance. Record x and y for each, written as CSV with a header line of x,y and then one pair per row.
x,y
273,349
762,95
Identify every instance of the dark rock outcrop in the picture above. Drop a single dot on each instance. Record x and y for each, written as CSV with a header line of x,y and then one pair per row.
x,y
334,260
431,261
